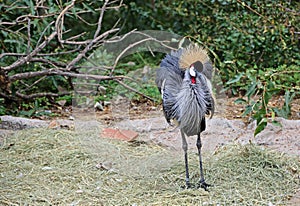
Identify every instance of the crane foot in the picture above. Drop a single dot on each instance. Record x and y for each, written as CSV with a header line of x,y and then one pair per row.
x,y
187,185
204,185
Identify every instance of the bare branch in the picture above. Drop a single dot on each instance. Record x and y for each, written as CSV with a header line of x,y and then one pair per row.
x,y
26,75
49,66
125,50
100,19
28,36
29,56
43,94
59,20
88,47
42,34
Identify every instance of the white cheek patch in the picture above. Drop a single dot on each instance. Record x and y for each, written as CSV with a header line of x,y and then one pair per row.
x,y
192,71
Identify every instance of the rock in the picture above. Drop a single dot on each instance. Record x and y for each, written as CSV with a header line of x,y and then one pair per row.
x,y
53,125
121,134
16,123
62,102
219,132
101,89
61,124
131,63
106,103
98,106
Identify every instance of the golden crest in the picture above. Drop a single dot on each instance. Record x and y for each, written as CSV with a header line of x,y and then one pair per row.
x,y
191,54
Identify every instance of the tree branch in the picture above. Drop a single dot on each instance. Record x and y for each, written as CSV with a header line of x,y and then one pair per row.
x,y
29,56
42,94
88,47
49,72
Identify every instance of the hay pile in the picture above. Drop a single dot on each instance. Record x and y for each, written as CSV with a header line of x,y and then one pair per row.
x,y
50,167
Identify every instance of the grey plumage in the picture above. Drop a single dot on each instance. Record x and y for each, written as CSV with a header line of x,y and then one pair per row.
x,y
187,94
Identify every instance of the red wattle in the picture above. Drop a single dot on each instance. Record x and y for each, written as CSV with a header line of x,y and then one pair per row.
x,y
193,80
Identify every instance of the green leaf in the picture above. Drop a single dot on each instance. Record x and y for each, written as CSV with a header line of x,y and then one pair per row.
x,y
248,110
240,101
261,126
236,78
251,90
276,123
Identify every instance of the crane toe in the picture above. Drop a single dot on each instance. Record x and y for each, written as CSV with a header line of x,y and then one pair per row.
x,y
204,185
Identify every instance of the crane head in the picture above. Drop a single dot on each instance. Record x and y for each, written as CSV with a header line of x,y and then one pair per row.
x,y
193,69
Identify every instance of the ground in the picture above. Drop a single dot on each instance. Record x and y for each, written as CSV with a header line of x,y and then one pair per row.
x,y
226,128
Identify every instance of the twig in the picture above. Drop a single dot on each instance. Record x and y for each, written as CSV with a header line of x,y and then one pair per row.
x,y
43,94
42,34
100,19
149,38
254,11
124,51
28,35
34,83
41,54
118,39
60,53
88,47
59,20
49,62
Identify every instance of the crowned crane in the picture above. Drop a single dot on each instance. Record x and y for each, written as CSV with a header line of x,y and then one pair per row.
x,y
184,81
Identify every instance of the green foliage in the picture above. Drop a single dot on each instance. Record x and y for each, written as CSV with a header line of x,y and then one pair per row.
x,y
242,35
37,108
2,108
264,87
68,99
132,67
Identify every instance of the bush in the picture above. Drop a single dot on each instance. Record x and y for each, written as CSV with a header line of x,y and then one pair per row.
x,y
243,35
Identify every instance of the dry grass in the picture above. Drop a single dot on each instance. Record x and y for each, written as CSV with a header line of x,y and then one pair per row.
x,y
50,167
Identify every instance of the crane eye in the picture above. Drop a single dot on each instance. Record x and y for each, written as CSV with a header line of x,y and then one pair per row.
x,y
192,71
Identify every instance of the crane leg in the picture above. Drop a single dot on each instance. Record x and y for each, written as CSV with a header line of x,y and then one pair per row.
x,y
202,182
185,148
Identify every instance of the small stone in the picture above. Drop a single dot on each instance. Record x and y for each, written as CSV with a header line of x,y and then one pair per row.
x,y
48,111
98,106
79,191
104,166
130,63
102,89
106,103
62,102
47,168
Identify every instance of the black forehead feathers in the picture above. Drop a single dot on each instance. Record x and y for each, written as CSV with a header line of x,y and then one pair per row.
x,y
198,66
